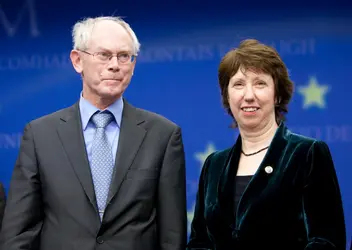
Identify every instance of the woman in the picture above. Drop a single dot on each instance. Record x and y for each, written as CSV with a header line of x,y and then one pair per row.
x,y
273,189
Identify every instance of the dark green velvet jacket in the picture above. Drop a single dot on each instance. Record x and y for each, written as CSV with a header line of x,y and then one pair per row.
x,y
296,206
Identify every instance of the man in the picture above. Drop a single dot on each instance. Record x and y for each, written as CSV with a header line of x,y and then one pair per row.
x,y
2,202
69,192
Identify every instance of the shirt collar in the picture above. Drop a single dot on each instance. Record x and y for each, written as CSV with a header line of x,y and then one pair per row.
x,y
87,110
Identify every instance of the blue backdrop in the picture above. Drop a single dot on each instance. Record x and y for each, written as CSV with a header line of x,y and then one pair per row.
x,y
176,72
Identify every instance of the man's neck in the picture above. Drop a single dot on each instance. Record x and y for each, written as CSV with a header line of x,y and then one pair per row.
x,y
102,103
99,102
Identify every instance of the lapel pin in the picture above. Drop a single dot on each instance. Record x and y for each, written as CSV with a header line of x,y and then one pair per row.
x,y
268,169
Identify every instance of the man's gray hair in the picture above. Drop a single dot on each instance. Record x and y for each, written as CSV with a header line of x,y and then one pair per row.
x,y
82,31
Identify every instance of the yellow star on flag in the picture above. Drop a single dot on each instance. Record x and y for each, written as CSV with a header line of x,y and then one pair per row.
x,y
314,94
190,214
202,156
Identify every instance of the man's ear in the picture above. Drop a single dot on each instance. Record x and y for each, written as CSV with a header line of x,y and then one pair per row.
x,y
134,65
76,61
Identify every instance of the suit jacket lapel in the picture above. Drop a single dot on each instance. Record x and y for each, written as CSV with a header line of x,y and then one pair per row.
x,y
130,140
71,135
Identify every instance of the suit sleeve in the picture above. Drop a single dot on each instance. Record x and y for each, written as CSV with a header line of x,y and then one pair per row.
x,y
24,211
171,203
322,202
199,239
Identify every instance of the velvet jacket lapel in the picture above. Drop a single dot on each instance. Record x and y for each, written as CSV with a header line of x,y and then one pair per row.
x,y
226,185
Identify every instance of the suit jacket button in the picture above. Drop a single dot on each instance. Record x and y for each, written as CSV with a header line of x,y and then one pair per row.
x,y
100,240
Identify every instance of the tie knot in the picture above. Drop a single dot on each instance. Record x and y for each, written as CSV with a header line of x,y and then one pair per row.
x,y
102,119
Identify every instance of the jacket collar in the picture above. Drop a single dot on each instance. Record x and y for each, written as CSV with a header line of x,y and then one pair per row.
x,y
226,184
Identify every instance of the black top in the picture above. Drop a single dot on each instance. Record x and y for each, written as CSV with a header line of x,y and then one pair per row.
x,y
241,183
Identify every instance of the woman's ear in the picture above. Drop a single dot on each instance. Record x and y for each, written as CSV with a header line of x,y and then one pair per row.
x,y
277,101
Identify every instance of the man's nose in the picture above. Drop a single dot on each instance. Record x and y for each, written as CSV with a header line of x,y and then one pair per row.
x,y
114,64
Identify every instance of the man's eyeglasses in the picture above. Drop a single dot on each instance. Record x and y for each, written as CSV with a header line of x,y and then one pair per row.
x,y
122,57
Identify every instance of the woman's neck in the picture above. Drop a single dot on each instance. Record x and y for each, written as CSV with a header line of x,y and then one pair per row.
x,y
253,140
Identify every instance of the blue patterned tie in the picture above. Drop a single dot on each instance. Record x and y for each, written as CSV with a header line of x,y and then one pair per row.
x,y
102,161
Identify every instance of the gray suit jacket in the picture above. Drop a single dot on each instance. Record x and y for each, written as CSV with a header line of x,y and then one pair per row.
x,y
52,205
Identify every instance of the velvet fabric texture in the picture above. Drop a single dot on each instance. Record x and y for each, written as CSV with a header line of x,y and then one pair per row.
x,y
2,203
296,206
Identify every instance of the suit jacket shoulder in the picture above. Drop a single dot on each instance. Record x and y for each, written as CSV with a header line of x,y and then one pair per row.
x,y
306,149
297,139
151,118
52,118
214,165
